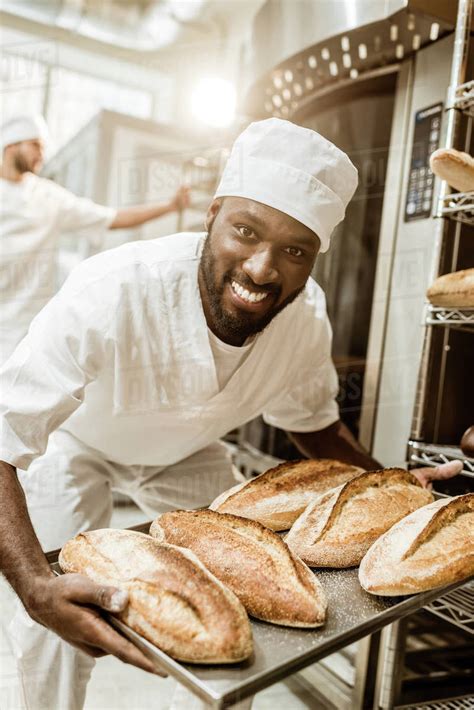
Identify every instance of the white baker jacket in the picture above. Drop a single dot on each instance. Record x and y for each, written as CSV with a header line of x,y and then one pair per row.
x,y
33,214
121,358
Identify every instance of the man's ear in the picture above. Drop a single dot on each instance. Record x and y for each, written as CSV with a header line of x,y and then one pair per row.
x,y
212,212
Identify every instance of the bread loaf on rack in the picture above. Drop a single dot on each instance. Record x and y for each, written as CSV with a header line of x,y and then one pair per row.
x,y
432,547
337,529
271,582
454,166
454,290
467,442
278,496
174,601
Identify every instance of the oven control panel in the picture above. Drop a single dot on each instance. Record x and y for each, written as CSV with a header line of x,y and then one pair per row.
x,y
419,199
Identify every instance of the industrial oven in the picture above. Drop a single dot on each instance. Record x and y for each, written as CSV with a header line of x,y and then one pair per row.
x,y
389,82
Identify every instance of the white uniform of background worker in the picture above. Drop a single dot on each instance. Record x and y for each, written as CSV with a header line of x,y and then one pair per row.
x,y
34,213
150,353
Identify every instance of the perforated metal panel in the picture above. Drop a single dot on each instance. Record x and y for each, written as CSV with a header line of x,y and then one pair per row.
x,y
343,58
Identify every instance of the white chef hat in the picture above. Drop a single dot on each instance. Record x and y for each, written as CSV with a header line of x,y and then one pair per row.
x,y
23,128
293,169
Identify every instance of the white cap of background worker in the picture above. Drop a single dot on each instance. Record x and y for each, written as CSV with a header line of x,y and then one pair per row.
x,y
34,213
24,128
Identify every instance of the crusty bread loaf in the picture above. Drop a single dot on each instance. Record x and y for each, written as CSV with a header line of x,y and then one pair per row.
x,y
254,562
337,529
430,548
455,167
278,496
174,601
467,442
454,290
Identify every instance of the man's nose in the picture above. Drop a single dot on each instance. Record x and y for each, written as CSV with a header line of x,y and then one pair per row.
x,y
261,267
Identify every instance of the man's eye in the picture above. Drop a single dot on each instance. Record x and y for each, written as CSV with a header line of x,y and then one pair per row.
x,y
294,251
244,231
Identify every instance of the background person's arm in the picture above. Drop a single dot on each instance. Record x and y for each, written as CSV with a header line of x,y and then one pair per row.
x,y
61,604
337,442
139,214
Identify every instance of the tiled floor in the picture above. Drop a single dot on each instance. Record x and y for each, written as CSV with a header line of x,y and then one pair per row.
x,y
115,686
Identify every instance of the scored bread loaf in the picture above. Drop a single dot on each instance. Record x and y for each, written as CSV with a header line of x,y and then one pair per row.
x,y
453,290
430,548
174,601
278,496
271,582
337,529
454,166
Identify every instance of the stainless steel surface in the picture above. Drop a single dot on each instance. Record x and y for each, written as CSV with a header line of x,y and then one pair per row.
x,y
406,272
390,666
280,652
386,253
351,82
294,52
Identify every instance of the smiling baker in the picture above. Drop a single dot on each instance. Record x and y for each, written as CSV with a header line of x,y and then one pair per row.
x,y
146,357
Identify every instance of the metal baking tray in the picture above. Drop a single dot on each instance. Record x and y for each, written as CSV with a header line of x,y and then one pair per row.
x,y
280,651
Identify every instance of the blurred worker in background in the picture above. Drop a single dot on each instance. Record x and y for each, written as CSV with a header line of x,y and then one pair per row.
x,y
34,213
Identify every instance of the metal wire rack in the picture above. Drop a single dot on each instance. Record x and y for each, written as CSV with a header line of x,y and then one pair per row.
x,y
436,454
450,316
464,702
458,206
464,98
456,607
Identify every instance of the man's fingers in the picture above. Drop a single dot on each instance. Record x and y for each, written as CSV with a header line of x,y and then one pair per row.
x,y
89,650
105,637
183,197
447,470
437,473
82,590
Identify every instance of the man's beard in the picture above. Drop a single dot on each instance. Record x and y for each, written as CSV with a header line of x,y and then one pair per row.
x,y
22,165
231,327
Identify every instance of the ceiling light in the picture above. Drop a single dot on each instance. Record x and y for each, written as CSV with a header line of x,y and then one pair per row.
x,y
213,102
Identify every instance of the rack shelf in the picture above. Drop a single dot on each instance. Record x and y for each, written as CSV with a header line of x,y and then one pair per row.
x,y
459,317
462,702
456,607
464,98
458,206
436,454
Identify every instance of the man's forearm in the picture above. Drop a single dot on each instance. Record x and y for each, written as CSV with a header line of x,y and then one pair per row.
x,y
334,442
139,214
21,557
63,604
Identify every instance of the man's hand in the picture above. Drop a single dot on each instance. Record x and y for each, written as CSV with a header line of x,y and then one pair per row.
x,y
437,473
181,200
129,217
66,606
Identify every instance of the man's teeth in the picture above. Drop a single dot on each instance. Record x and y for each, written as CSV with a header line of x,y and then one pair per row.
x,y
247,295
